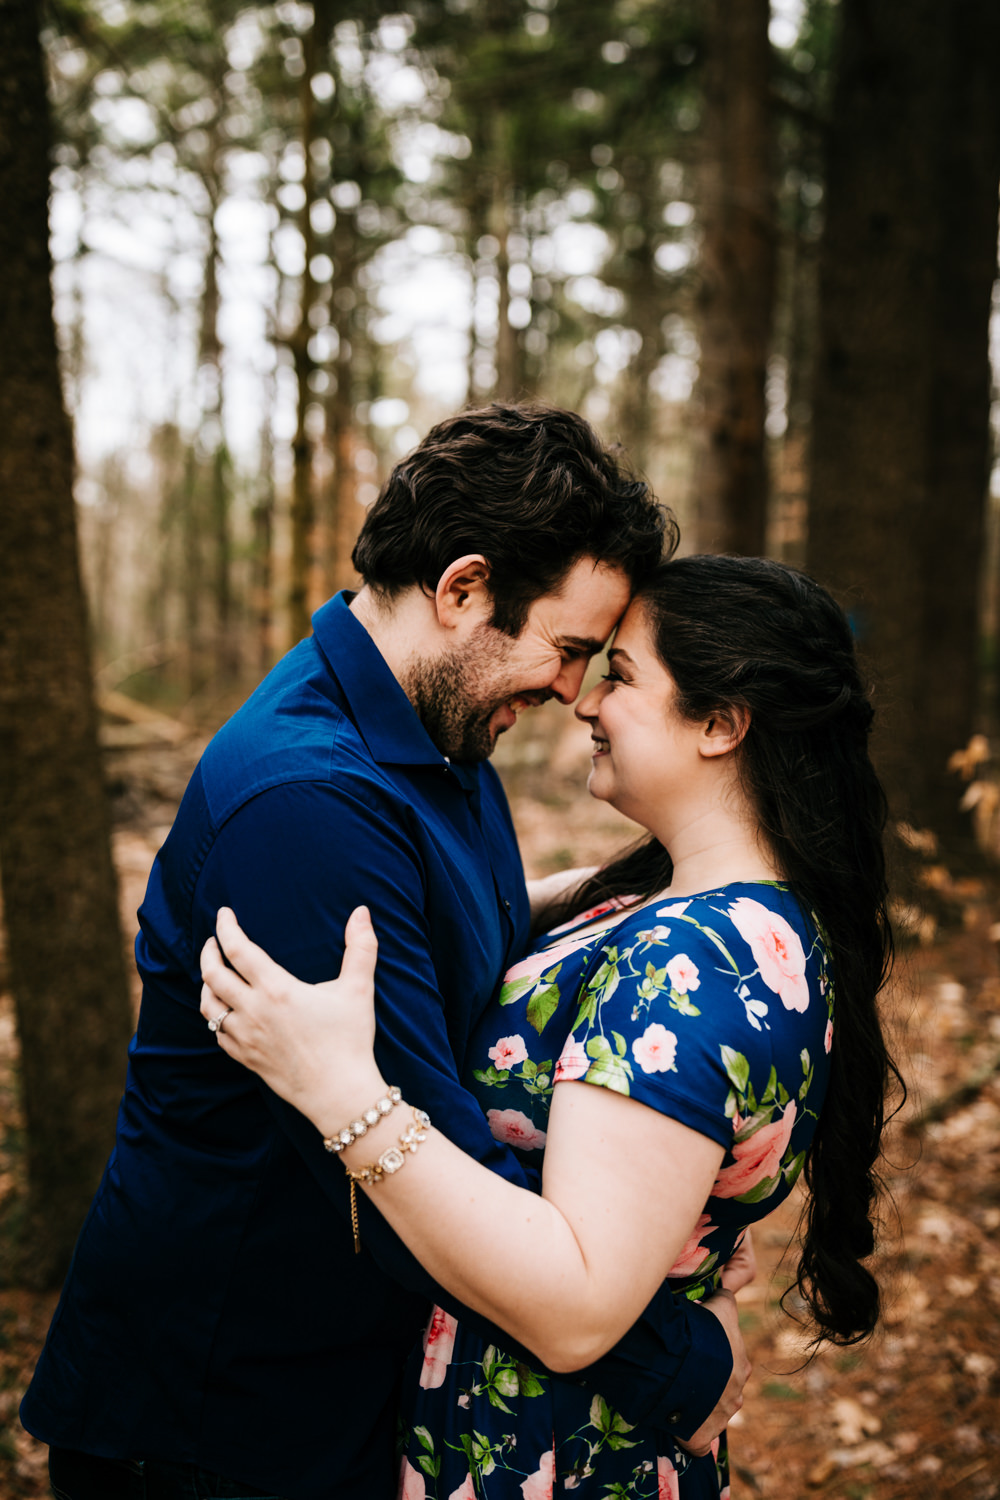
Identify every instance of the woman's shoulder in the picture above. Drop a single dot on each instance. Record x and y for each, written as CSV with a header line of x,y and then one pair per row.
x,y
744,909
748,911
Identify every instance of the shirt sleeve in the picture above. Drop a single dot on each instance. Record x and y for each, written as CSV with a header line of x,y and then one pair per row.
x,y
664,1012
293,863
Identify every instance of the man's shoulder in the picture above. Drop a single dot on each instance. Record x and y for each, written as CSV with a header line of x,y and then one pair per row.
x,y
295,728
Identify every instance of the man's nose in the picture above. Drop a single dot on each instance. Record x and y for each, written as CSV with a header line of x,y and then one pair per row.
x,y
569,681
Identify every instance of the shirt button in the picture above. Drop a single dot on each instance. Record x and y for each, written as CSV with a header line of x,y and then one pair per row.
x,y
674,1417
506,903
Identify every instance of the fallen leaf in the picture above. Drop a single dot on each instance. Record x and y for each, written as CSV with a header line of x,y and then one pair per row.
x,y
852,1422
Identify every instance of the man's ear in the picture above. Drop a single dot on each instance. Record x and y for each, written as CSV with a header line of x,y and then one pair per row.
x,y
463,592
724,731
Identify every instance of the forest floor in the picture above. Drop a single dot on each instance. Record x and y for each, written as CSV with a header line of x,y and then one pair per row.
x,y
914,1415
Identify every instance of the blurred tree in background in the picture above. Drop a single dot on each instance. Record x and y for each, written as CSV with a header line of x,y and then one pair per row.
x,y
67,969
902,448
756,243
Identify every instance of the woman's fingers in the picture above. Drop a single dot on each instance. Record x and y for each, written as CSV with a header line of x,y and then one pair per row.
x,y
226,985
360,949
246,958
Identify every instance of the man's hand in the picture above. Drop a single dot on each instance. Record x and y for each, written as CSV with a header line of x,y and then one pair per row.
x,y
741,1267
723,1305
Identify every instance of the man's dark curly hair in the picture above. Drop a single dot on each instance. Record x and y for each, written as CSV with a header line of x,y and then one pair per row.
x,y
532,488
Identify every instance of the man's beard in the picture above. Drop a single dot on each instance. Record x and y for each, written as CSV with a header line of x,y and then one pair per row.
x,y
452,694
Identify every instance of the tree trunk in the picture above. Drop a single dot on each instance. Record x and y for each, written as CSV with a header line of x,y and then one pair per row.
x,y
347,514
958,430
900,427
644,313
213,420
66,960
737,276
303,508
507,349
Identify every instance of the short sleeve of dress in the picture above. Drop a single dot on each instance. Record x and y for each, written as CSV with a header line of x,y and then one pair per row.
x,y
708,1010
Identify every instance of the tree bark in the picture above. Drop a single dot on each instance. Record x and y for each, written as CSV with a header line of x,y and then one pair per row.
x,y
736,294
303,506
958,432
900,426
66,960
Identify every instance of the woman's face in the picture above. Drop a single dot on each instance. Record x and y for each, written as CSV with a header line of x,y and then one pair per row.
x,y
646,756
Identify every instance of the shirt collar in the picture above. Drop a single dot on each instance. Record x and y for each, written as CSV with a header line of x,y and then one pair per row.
x,y
383,714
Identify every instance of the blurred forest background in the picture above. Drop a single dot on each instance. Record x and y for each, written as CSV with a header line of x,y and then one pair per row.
x,y
250,252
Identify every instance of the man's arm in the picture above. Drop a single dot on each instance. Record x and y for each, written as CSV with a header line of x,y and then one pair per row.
x,y
293,863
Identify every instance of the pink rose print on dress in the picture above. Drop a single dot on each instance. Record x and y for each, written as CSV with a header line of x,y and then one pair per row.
x,y
543,960
465,1491
514,1129
828,1038
758,1157
439,1342
683,974
508,1052
668,1485
538,1486
694,1252
776,949
572,1062
411,1483
656,1049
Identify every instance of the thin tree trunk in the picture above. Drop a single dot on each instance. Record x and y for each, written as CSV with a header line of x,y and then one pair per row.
x,y
346,519
507,346
66,960
644,312
193,582
737,276
262,560
210,355
303,507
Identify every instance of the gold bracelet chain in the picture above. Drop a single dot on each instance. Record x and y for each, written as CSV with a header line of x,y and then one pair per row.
x,y
388,1163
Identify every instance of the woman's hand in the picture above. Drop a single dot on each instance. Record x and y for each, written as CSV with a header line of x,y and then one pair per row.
x,y
741,1267
311,1043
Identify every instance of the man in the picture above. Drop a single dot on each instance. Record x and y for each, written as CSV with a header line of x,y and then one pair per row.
x,y
217,1334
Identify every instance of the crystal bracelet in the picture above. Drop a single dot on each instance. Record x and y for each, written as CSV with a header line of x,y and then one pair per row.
x,y
341,1139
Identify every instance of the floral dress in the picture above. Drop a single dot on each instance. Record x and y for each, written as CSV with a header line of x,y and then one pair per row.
x,y
716,1010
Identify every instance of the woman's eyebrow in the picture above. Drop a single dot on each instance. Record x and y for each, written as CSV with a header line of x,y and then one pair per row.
x,y
616,652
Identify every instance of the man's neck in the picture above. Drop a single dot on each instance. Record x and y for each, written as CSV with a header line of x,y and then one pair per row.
x,y
398,626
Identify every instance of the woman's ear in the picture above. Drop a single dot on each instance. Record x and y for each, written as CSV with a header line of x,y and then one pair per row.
x,y
463,593
724,731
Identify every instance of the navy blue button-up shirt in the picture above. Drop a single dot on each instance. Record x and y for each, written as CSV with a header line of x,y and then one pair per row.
x,y
215,1311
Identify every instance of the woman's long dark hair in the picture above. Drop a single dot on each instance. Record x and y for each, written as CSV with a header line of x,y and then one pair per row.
x,y
746,633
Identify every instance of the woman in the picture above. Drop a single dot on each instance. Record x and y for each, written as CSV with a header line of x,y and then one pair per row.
x,y
718,984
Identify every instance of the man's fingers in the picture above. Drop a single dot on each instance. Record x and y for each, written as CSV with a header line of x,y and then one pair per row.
x,y
360,948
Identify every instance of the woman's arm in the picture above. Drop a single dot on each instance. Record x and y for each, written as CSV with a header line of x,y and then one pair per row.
x,y
547,891
566,1274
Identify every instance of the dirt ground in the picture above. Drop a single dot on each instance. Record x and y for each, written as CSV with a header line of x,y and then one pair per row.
x,y
914,1415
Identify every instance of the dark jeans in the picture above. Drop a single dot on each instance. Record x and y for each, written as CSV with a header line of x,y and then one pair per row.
x,y
81,1476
